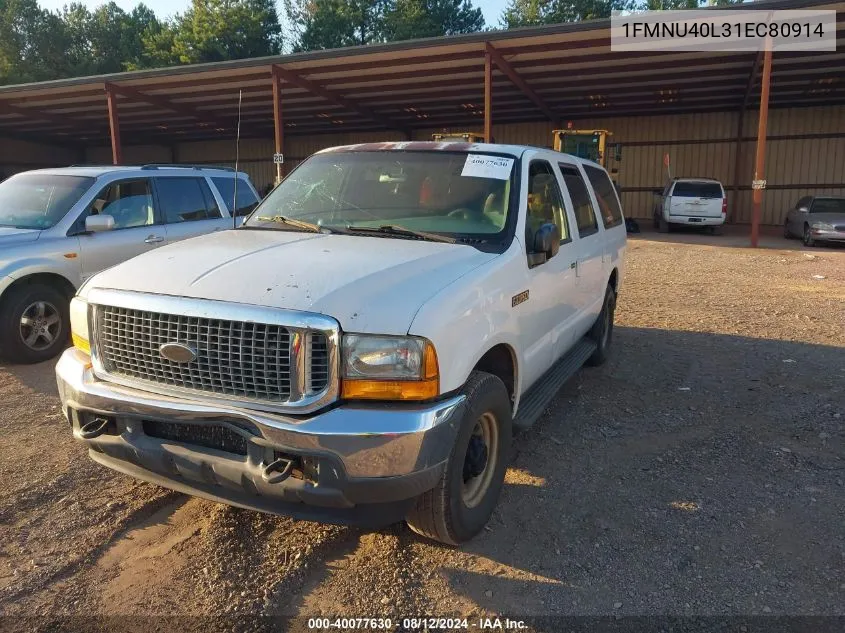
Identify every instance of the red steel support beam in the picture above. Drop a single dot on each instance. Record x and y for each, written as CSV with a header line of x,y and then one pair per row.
x,y
488,96
740,125
179,108
331,96
114,126
760,162
278,123
519,82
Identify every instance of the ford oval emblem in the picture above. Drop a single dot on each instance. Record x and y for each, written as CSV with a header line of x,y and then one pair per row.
x,y
177,352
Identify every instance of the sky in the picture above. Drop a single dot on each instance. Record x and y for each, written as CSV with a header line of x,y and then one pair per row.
x,y
163,8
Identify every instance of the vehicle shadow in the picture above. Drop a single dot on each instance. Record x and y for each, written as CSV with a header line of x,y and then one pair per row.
x,y
40,377
693,473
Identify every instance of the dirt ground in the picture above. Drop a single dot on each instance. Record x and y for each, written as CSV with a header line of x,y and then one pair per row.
x,y
699,472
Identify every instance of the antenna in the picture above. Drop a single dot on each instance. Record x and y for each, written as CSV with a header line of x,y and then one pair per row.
x,y
237,161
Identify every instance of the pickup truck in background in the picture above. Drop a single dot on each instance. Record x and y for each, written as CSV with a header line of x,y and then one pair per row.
x,y
60,226
361,349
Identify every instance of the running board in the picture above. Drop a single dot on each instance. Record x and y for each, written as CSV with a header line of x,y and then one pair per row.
x,y
534,402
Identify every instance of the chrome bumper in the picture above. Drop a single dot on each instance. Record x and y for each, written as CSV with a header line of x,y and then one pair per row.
x,y
367,454
826,234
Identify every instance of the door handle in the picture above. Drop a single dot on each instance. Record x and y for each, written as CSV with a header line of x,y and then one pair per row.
x,y
573,265
153,239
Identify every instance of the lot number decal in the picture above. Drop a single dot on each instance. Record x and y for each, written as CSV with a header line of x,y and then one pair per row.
x,y
482,166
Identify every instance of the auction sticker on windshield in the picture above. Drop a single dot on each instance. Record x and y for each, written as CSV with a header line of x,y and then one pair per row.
x,y
482,166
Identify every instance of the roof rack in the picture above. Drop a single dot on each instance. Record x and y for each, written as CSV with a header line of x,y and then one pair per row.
x,y
184,166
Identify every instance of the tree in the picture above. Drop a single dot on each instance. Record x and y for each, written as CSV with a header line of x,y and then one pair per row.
x,y
32,42
215,30
324,24
408,19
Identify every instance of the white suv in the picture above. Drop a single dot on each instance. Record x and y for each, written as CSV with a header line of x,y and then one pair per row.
x,y
361,348
58,227
691,201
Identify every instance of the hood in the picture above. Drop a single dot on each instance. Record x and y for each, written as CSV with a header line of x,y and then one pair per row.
x,y
10,236
831,218
369,284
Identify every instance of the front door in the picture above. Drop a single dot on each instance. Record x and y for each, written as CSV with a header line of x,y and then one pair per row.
x,y
136,229
547,324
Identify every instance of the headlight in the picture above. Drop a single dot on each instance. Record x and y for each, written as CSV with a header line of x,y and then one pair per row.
x,y
822,226
389,368
79,324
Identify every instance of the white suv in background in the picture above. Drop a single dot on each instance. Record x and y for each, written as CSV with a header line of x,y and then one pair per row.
x,y
691,201
58,227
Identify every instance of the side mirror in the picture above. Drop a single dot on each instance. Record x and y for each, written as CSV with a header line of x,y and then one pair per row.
x,y
546,244
803,210
99,223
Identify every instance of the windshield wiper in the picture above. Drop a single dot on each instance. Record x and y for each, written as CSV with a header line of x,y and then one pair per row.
x,y
300,224
393,229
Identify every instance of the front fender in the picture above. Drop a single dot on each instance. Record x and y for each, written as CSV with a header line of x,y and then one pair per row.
x,y
19,269
468,318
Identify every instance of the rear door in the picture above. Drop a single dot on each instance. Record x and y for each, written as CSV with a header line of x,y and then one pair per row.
x,y
589,268
696,198
137,225
188,207
247,198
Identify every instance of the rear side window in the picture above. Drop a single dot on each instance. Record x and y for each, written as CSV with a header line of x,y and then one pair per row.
x,y
247,200
186,200
611,212
585,216
697,190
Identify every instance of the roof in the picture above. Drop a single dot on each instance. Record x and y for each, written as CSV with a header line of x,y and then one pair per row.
x,y
564,71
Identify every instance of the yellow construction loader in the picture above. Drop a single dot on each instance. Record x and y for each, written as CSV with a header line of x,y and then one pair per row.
x,y
589,144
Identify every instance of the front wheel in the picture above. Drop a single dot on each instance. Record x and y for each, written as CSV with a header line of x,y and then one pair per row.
x,y
461,503
34,324
808,237
602,331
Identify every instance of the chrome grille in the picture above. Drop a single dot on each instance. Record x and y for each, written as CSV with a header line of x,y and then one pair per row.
x,y
318,371
245,360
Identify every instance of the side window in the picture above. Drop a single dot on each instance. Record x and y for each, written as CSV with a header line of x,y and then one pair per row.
x,y
247,200
611,211
804,202
585,216
545,202
183,200
129,202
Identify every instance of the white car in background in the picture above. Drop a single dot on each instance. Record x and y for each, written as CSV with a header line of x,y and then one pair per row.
x,y
816,219
691,202
58,227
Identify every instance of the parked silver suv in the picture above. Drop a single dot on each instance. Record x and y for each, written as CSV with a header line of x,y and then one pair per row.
x,y
60,226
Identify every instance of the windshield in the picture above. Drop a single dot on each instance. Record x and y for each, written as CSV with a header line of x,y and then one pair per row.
x,y
435,192
829,205
38,201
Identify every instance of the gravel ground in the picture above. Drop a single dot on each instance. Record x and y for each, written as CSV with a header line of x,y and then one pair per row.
x,y
699,472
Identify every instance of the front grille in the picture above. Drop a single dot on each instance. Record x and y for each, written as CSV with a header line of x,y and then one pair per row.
x,y
233,358
216,436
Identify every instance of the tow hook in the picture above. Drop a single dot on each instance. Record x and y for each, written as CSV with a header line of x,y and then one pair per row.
x,y
94,428
277,471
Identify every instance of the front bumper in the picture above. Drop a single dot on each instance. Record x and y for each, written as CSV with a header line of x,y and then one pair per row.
x,y
828,235
366,463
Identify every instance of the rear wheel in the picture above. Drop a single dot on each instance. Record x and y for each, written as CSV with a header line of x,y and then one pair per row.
x,y
461,503
34,324
602,331
808,237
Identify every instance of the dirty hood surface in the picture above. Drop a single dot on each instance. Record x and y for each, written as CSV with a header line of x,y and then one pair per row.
x,y
369,284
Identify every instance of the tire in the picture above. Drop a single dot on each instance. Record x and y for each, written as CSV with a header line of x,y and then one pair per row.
x,y
808,237
455,510
662,225
39,304
602,331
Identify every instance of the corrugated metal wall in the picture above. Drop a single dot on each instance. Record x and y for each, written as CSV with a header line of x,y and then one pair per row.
x,y
18,156
806,153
